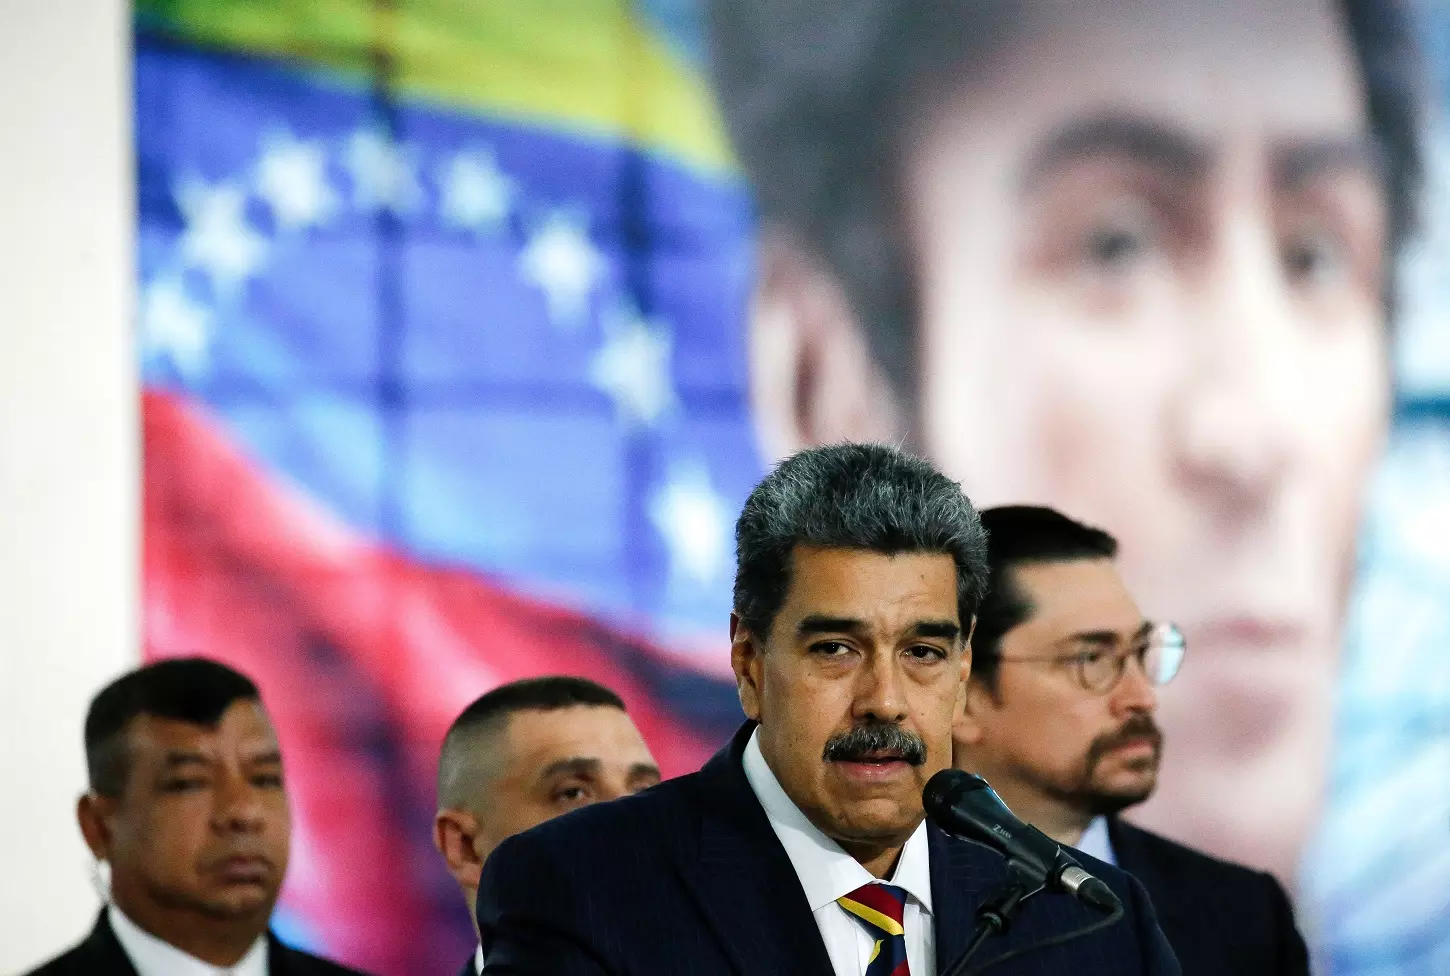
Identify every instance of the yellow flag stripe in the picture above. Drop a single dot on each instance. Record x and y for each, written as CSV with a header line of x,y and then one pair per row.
x,y
882,922
589,66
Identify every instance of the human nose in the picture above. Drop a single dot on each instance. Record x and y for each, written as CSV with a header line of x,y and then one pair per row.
x,y
879,694
239,805
1134,691
1234,420
612,790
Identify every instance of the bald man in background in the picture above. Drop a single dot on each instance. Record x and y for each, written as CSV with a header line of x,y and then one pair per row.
x,y
525,753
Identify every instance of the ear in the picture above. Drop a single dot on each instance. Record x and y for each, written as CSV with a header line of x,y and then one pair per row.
x,y
747,663
813,379
970,728
92,810
455,834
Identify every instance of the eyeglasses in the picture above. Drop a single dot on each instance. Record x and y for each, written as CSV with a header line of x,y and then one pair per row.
x,y
1159,653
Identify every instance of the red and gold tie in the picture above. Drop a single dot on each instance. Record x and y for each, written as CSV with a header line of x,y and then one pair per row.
x,y
879,908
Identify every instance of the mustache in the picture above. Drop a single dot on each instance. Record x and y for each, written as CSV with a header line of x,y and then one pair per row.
x,y
864,740
1135,729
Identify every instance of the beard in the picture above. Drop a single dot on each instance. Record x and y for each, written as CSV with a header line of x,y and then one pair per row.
x,y
1084,790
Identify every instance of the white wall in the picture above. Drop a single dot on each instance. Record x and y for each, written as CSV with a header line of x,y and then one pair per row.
x,y
69,454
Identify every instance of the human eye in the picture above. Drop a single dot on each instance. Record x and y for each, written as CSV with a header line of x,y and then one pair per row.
x,y
926,653
1118,241
830,648
184,784
267,781
571,795
1314,258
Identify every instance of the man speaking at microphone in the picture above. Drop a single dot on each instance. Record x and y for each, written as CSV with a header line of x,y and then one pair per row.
x,y
802,848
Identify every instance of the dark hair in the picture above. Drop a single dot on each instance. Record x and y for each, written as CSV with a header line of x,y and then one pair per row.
x,y
470,745
1019,535
852,496
815,94
186,689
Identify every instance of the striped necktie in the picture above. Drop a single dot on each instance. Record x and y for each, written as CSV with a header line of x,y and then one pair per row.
x,y
879,908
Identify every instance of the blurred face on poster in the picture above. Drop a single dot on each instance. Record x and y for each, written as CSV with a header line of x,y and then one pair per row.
x,y
1138,253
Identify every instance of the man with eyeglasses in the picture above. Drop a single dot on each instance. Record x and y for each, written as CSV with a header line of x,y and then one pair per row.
x,y
1059,719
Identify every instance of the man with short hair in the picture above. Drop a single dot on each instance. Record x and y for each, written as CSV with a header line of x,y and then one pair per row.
x,y
1131,258
1059,719
802,847
188,807
523,753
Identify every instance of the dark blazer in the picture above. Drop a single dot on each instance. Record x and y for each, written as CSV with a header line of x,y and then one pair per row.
x,y
1219,917
689,878
468,968
100,954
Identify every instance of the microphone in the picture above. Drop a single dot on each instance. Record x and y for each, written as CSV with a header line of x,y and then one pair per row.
x,y
963,804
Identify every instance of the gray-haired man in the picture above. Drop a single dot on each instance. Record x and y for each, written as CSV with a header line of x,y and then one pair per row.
x,y
802,847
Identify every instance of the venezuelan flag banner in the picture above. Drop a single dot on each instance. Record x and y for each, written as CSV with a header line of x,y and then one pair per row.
x,y
438,318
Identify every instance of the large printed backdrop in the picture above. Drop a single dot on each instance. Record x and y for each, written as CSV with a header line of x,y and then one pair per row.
x,y
445,385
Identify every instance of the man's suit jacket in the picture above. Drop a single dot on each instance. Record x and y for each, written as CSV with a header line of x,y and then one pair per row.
x,y
1218,917
689,878
100,954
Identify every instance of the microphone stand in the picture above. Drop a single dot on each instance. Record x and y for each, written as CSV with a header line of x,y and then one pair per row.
x,y
995,914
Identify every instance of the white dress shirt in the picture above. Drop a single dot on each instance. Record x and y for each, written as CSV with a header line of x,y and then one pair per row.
x,y
152,957
478,960
827,872
1095,841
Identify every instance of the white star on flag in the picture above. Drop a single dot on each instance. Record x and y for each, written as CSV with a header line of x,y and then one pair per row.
x,y
218,239
292,178
384,172
476,194
633,367
175,327
566,266
693,521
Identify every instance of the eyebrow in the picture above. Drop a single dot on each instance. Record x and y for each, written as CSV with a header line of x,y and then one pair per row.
x,y
1152,143
820,624
1109,638
174,759
945,629
589,766
1302,162
577,765
644,769
273,756
816,624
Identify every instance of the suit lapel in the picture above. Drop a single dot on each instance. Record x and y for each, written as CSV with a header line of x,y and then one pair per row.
x,y
1133,856
743,879
280,961
103,952
961,876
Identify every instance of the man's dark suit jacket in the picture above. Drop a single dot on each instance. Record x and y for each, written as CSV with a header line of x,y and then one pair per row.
x,y
1219,917
101,955
689,878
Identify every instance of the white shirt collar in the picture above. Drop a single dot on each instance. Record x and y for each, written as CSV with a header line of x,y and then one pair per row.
x,y
1096,841
826,871
153,957
478,959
